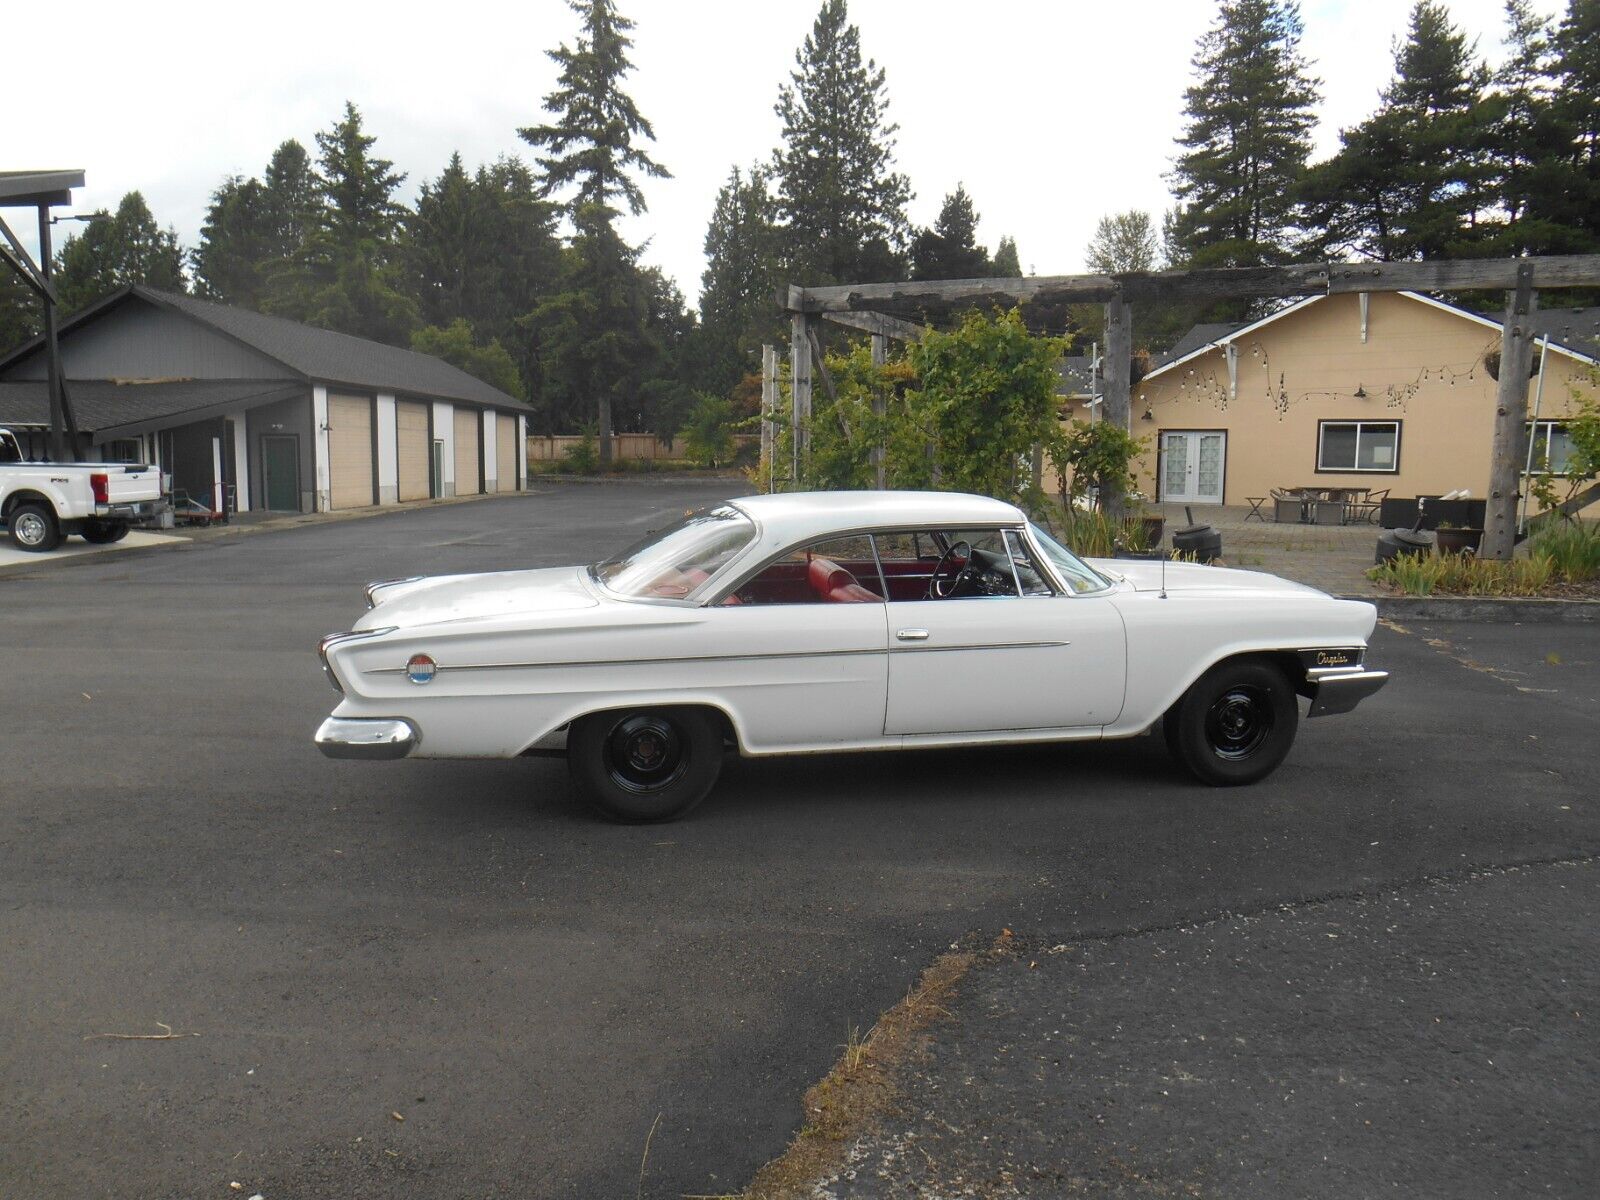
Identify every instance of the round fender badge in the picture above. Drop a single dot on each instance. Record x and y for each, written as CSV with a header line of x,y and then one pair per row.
x,y
421,669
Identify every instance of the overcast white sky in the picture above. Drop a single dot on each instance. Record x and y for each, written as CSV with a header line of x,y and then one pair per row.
x,y
1053,112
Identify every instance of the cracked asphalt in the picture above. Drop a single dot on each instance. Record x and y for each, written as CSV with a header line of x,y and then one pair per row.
x,y
445,979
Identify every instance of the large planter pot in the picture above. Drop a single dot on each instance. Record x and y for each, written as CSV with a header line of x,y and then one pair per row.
x,y
1394,543
1458,541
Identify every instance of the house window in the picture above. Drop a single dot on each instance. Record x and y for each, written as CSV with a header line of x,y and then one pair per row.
x,y
1358,446
123,450
1552,447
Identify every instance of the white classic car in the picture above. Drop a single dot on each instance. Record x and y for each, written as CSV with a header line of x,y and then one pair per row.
x,y
831,621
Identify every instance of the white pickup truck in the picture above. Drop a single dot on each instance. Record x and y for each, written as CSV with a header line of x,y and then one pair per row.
x,y
41,503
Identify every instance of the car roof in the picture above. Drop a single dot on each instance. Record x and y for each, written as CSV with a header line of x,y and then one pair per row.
x,y
790,517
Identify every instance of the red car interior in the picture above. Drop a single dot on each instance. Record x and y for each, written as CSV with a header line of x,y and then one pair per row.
x,y
837,585
817,580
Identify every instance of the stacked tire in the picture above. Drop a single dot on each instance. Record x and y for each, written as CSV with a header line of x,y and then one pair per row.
x,y
1396,543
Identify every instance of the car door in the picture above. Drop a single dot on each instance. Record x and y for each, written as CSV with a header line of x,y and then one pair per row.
x,y
800,649
1017,661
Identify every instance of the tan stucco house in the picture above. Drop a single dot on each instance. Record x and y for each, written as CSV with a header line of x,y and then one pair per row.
x,y
1387,390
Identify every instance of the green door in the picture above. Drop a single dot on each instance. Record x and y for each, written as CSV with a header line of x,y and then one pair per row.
x,y
280,468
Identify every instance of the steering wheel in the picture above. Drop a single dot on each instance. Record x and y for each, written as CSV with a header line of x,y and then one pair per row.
x,y
938,587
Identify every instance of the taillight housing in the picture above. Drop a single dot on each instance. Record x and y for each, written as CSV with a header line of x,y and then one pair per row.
x,y
100,485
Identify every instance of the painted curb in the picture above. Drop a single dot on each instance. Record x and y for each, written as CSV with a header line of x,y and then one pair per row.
x,y
1484,608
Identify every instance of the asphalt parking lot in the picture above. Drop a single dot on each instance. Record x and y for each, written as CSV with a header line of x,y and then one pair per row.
x,y
445,979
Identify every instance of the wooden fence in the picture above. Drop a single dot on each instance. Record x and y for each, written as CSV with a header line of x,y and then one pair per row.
x,y
626,446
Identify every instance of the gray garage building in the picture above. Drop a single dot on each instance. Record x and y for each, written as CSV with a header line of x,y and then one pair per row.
x,y
256,412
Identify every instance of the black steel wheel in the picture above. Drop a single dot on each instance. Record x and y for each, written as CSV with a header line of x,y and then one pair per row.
x,y
1236,724
34,527
643,765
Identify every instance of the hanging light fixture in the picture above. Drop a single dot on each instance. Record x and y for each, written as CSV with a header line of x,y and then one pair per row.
x,y
1360,392
1148,415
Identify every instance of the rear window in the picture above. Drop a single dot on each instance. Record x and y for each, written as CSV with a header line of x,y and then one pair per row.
x,y
671,563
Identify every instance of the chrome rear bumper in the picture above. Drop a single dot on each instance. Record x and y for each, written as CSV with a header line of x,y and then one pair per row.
x,y
1338,690
367,737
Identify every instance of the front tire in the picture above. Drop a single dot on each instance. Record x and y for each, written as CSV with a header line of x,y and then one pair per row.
x,y
645,765
1236,724
34,527
103,533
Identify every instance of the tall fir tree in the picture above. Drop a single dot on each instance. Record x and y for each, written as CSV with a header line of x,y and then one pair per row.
x,y
1573,200
115,249
595,333
293,199
841,205
1414,180
480,252
1249,117
21,312
1007,263
950,249
345,275
1523,137
234,244
743,272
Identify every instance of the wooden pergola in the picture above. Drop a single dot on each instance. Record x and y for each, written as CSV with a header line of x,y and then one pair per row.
x,y
896,310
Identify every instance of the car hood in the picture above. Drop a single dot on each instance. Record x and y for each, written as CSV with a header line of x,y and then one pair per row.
x,y
1145,575
494,594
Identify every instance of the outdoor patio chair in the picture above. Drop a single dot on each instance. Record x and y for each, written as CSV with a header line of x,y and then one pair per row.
x,y
1367,508
1288,507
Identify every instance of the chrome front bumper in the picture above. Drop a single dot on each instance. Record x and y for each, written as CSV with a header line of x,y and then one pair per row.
x,y
372,738
1339,689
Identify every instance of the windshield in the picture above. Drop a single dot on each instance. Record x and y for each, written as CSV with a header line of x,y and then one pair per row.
x,y
1075,573
672,562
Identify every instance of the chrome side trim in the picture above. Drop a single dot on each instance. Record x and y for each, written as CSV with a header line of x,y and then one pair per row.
x,y
338,639
637,662
1340,690
379,584
976,646
368,738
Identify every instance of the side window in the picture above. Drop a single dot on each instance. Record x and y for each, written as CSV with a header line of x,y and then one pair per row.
x,y
971,563
836,571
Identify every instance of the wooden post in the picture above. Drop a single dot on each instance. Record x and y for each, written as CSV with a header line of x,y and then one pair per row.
x,y
1510,419
1117,403
880,356
800,390
769,405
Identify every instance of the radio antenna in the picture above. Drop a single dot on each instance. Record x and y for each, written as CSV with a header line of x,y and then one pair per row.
x,y
1164,558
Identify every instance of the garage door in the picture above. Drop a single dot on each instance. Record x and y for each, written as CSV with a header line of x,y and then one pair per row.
x,y
469,444
505,451
411,429
350,451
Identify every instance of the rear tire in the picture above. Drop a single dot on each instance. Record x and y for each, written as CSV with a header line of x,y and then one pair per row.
x,y
645,765
103,533
1236,724
34,527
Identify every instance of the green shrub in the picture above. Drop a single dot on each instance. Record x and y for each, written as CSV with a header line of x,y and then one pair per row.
x,y
1572,547
584,457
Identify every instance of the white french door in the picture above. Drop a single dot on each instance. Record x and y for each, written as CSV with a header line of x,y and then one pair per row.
x,y
1192,465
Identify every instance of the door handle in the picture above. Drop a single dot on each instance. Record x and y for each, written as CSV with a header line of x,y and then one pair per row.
x,y
912,635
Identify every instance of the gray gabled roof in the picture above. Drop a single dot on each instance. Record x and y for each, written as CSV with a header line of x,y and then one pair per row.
x,y
1198,336
317,354
110,410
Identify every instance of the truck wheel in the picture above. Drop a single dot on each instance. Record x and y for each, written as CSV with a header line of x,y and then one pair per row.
x,y
103,533
34,527
645,765
1236,724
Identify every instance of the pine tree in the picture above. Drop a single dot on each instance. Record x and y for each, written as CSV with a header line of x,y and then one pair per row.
x,y
1414,180
737,313
591,143
235,240
114,250
1573,198
950,249
1522,133
597,334
840,203
357,188
1248,136
1124,241
345,272
21,312
1007,264
293,200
